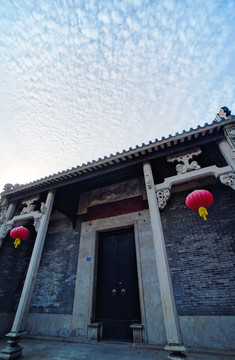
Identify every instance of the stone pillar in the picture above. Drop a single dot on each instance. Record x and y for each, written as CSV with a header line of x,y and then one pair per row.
x,y
14,351
227,152
3,229
172,327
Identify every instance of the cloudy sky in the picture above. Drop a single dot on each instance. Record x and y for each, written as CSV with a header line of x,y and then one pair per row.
x,y
81,79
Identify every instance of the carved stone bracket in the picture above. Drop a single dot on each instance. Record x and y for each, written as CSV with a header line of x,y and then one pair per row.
x,y
2,218
195,175
183,159
43,208
229,131
162,197
3,210
5,230
36,224
228,179
30,205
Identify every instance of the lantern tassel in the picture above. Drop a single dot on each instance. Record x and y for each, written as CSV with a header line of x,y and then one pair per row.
x,y
203,212
17,242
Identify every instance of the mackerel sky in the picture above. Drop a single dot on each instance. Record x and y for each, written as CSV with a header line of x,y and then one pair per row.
x,y
81,79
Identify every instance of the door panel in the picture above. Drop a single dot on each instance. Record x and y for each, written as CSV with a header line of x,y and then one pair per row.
x,y
117,296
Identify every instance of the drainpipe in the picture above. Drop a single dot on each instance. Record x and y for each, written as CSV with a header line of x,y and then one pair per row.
x,y
14,350
171,320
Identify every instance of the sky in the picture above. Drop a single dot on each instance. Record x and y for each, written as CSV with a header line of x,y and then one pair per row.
x,y
83,79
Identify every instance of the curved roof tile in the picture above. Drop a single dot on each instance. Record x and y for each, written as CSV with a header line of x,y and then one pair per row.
x,y
119,156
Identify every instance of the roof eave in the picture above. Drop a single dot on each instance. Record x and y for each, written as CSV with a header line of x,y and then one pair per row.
x,y
120,157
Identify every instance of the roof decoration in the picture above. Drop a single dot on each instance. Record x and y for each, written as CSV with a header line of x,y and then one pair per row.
x,y
223,114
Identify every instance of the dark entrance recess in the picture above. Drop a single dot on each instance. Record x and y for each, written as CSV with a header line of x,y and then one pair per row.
x,y
117,296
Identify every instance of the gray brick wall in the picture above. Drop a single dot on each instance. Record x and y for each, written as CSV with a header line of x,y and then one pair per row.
x,y
13,268
201,253
55,284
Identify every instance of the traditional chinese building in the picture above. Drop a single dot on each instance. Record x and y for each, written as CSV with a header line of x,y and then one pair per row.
x,y
114,253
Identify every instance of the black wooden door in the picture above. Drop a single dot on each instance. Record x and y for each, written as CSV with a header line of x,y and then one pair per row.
x,y
117,296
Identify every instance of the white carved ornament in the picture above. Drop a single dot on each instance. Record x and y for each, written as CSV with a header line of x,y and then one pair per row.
x,y
5,230
43,208
228,179
36,224
3,210
30,205
162,197
183,159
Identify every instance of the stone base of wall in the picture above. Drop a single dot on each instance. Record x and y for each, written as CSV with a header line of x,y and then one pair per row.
x,y
208,332
55,325
201,332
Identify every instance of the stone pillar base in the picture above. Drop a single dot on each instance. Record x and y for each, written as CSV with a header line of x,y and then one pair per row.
x,y
137,333
95,331
12,351
178,351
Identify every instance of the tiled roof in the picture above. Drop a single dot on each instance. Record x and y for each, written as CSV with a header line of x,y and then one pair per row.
x,y
124,155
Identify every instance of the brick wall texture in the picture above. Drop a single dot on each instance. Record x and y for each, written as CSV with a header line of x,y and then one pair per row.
x,y
201,259
13,268
55,284
201,253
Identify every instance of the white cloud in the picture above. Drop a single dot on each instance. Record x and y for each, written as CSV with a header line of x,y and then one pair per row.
x,y
83,80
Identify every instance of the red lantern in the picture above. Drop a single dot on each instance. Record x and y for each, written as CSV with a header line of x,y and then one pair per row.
x,y
19,233
199,200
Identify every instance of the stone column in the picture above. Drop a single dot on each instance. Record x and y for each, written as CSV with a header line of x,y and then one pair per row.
x,y
172,327
227,152
14,351
3,229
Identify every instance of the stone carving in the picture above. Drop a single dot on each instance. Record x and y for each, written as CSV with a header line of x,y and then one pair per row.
x,y
162,197
3,210
228,179
5,230
223,114
229,131
115,192
36,224
30,205
2,218
3,204
43,208
8,187
183,159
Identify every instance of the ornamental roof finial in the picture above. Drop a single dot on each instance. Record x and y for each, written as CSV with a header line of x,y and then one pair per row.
x,y
223,114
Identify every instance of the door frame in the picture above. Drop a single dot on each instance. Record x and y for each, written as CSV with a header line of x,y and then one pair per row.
x,y
90,231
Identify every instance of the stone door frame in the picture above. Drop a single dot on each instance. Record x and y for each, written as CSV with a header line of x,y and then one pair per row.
x,y
85,289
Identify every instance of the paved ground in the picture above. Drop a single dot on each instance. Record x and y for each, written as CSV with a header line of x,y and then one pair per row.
x,y
57,350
